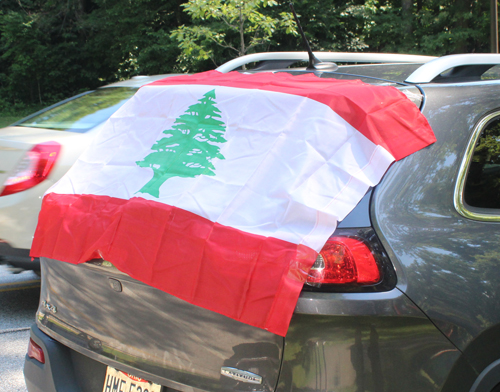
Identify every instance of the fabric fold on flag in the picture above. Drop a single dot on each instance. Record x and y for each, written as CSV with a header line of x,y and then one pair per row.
x,y
221,189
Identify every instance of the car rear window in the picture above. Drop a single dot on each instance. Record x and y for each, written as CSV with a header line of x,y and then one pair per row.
x,y
393,72
482,188
386,74
83,112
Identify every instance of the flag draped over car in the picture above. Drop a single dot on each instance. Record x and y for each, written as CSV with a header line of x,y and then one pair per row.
x,y
220,189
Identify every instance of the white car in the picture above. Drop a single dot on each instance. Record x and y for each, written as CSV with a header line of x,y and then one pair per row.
x,y
37,150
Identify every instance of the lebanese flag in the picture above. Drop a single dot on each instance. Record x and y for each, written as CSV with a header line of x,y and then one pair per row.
x,y
221,189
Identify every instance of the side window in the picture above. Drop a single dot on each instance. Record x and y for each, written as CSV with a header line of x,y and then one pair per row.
x,y
482,184
492,73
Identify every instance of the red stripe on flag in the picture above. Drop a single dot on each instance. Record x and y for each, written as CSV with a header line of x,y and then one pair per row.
x,y
244,276
381,113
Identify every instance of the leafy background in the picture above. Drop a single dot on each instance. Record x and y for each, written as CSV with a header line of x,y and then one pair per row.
x,y
53,49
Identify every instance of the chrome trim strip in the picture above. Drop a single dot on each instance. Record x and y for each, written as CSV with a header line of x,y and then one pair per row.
x,y
325,56
458,199
427,72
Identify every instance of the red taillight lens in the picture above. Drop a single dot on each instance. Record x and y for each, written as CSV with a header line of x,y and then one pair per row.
x,y
344,260
35,352
33,168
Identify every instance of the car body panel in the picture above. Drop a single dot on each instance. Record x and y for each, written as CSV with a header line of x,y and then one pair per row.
x,y
155,333
15,142
365,353
184,347
140,80
445,263
19,211
437,330
364,342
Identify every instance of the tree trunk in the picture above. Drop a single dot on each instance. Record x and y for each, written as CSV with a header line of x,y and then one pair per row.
x,y
494,26
407,14
462,8
39,91
153,186
242,36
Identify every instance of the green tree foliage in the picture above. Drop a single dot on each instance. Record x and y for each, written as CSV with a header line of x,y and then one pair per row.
x,y
222,28
40,52
189,147
329,25
53,49
127,38
434,27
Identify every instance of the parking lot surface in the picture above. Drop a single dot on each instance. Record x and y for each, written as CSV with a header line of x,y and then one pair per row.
x,y
19,294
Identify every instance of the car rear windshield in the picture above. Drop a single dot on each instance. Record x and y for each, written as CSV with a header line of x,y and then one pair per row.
x,y
372,73
83,112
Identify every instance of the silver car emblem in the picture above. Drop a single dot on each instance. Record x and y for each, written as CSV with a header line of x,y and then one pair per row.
x,y
241,375
51,308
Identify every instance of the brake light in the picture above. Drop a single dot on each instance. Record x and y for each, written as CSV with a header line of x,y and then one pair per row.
x,y
33,168
35,351
344,260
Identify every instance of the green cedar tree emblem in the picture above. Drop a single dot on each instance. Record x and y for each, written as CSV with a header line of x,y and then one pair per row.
x,y
189,146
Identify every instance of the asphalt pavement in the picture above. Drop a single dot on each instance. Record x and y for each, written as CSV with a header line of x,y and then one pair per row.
x,y
19,295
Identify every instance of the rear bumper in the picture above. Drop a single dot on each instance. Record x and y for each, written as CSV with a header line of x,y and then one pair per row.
x,y
364,342
19,258
63,370
335,342
46,377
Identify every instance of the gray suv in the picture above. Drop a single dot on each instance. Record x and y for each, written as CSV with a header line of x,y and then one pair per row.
x,y
432,323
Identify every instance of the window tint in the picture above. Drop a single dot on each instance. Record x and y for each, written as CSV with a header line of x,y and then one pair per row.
x,y
82,113
386,72
482,187
492,73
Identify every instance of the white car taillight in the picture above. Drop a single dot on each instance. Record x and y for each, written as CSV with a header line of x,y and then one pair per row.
x,y
33,168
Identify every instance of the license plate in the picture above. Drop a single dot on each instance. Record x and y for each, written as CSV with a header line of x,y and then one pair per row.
x,y
118,381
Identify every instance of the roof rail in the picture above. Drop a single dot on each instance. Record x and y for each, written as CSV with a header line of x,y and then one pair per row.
x,y
432,69
357,57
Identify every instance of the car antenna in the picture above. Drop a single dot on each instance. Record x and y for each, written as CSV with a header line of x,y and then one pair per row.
x,y
314,63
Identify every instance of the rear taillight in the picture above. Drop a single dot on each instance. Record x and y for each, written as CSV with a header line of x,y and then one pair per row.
x,y
33,168
351,259
35,351
344,260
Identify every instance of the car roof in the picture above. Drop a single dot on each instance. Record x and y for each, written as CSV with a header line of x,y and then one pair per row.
x,y
408,69
139,80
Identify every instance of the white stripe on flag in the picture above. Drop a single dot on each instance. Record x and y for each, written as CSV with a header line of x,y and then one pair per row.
x,y
292,166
